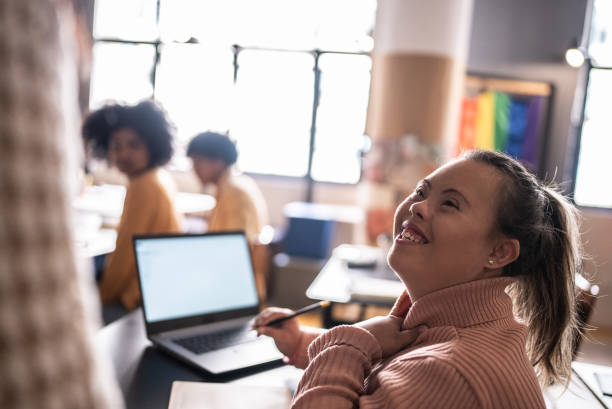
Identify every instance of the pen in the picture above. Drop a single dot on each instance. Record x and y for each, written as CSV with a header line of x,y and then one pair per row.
x,y
320,304
595,395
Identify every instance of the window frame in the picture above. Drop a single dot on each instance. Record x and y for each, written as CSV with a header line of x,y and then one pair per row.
x,y
587,68
236,49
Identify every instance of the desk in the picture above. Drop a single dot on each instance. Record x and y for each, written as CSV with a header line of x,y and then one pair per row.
x,y
101,242
107,201
145,374
98,211
577,395
339,283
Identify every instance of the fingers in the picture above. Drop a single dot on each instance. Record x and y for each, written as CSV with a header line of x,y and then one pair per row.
x,y
273,330
269,331
408,336
396,321
402,305
270,314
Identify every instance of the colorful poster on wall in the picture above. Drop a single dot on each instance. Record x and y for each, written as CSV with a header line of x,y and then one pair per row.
x,y
505,115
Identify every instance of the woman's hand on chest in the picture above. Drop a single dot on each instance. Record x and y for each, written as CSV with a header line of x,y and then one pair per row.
x,y
387,331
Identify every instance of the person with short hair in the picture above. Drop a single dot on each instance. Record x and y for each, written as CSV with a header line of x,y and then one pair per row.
x,y
137,139
478,240
240,204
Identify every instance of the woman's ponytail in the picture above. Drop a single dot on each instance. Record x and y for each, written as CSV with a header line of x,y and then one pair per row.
x,y
545,298
546,226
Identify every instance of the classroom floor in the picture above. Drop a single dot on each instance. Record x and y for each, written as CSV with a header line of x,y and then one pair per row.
x,y
596,348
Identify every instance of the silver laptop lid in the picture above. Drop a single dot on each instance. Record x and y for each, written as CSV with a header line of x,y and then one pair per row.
x,y
188,280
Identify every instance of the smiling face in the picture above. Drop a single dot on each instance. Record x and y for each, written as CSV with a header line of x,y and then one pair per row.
x,y
128,152
444,231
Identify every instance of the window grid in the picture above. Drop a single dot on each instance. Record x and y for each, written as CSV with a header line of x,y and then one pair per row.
x,y
236,49
594,66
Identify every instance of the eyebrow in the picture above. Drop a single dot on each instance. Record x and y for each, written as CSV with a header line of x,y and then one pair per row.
x,y
449,190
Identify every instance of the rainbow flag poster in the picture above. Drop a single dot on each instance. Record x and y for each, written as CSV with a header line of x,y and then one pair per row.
x,y
514,124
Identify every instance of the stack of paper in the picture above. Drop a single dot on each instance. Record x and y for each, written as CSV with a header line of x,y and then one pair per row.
x,y
203,395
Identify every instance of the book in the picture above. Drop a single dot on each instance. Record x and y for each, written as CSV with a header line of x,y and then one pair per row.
x,y
207,395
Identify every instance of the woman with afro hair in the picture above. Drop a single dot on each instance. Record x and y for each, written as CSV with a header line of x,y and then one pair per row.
x,y
137,139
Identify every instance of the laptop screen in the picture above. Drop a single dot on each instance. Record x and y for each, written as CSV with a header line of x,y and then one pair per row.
x,y
184,276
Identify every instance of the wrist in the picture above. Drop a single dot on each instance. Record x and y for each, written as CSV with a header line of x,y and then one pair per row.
x,y
299,357
295,359
348,336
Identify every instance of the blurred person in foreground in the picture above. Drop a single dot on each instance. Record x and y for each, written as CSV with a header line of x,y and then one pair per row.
x,y
47,304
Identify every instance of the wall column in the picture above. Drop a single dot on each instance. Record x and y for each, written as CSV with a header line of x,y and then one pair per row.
x,y
418,71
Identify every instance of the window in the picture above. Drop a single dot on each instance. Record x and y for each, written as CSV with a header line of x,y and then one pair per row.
x,y
122,72
340,120
194,83
274,93
278,75
594,166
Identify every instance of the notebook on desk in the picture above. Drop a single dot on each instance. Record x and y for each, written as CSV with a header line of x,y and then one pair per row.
x,y
199,297
202,395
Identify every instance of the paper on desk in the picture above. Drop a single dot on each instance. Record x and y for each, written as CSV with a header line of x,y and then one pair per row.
x,y
204,395
376,289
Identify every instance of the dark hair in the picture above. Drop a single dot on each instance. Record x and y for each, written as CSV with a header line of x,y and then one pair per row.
x,y
147,119
544,294
213,145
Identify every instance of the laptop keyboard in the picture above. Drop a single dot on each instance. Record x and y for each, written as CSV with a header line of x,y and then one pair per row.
x,y
199,344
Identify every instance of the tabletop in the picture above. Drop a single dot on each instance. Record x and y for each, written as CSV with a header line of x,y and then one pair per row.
x,y
145,374
356,273
98,211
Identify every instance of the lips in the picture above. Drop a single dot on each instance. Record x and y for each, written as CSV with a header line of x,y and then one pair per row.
x,y
412,234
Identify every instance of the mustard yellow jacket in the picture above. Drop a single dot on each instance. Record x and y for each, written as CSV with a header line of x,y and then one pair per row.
x,y
148,208
240,206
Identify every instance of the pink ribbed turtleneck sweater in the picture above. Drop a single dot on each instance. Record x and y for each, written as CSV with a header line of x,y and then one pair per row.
x,y
470,353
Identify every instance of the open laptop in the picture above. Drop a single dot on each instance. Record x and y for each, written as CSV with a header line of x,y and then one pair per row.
x,y
199,296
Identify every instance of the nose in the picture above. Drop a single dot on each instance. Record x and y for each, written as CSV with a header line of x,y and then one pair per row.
x,y
122,154
419,209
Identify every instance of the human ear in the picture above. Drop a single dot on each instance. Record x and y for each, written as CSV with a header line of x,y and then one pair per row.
x,y
505,252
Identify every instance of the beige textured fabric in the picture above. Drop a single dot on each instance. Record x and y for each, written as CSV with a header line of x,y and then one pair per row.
x,y
46,354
